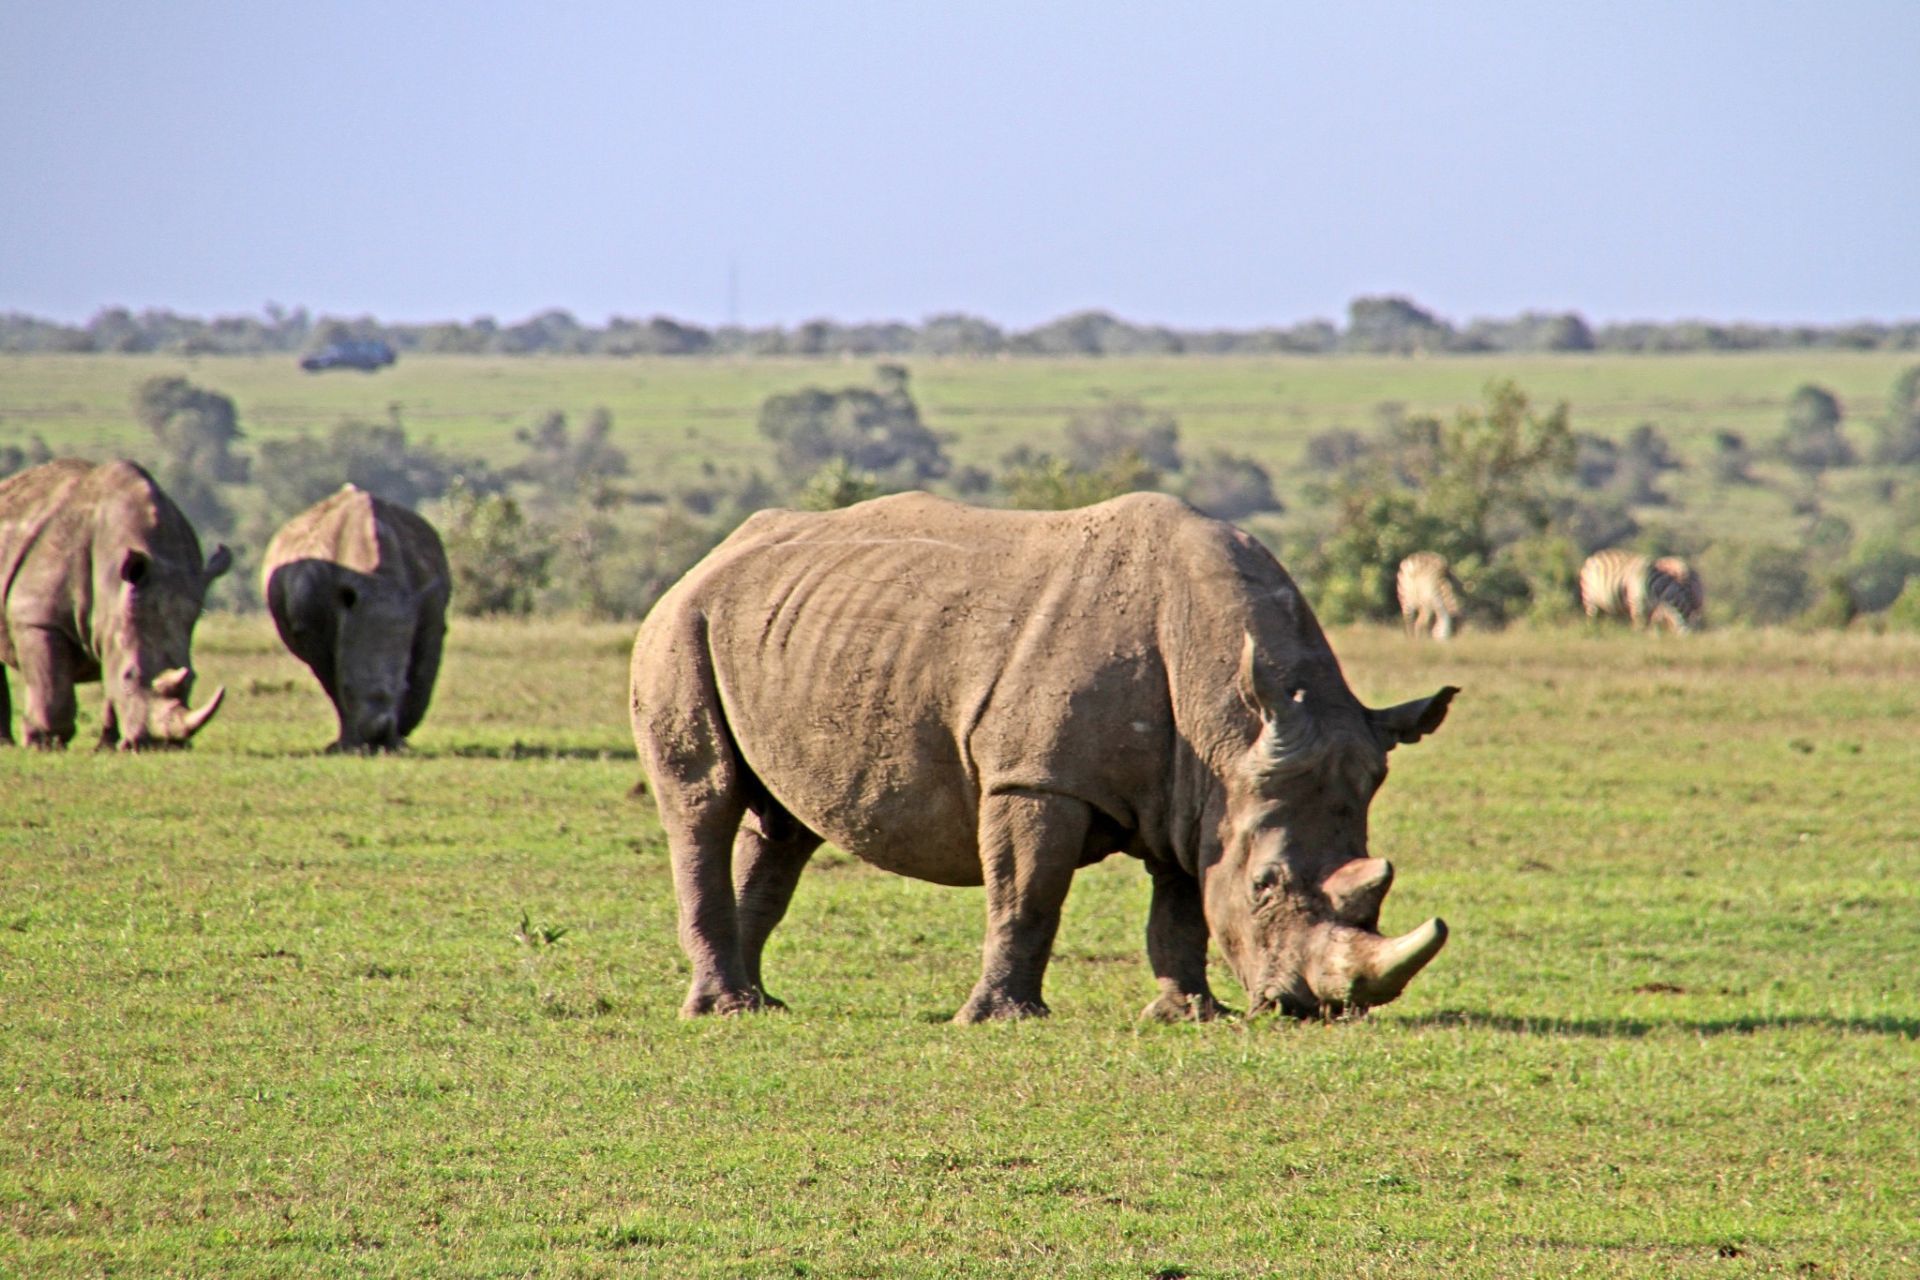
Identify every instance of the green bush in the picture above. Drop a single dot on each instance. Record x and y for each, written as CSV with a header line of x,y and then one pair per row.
x,y
1757,583
498,557
1904,613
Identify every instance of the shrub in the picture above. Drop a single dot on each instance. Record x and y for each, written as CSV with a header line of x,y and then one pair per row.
x,y
1757,583
499,559
1904,613
837,485
1229,486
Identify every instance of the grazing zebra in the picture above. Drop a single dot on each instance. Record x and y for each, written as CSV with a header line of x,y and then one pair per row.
x,y
1429,595
1620,584
1689,579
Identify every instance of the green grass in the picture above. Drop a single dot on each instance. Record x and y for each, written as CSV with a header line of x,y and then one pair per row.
x,y
676,416
267,1012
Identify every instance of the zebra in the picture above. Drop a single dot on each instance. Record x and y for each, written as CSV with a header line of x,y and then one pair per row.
x,y
1689,578
1429,595
1618,583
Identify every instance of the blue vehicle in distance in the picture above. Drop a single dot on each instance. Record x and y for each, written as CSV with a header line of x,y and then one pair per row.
x,y
364,355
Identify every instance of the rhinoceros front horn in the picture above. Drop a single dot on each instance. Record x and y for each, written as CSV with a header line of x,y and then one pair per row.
x,y
194,720
1385,973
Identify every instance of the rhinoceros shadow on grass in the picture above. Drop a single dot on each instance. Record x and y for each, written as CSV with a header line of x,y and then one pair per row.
x,y
998,698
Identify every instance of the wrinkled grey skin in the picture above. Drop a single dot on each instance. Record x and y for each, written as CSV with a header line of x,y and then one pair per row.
x,y
999,698
358,590
103,580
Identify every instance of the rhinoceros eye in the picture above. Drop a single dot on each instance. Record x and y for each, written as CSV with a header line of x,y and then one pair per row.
x,y
1266,880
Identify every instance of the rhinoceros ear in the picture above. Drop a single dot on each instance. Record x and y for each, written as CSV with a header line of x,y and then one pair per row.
x,y
1287,732
218,563
1411,721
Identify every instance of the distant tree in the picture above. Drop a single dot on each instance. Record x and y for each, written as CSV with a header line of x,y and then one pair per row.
x,y
875,430
1759,583
1229,486
563,465
1643,457
1335,449
1879,572
1899,442
1115,427
1812,440
1596,460
196,431
18,457
837,485
297,472
954,334
499,559
1731,462
1045,483
1393,326
1097,333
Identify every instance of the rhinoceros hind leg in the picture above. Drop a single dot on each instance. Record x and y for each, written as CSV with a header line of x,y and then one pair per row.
x,y
1177,949
1030,844
6,711
769,853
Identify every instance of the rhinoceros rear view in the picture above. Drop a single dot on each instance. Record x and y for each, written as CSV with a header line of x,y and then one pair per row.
x,y
100,579
996,697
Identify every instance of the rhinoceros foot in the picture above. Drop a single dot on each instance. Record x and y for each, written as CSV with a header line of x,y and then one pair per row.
x,y
700,1003
997,1006
1184,1007
341,747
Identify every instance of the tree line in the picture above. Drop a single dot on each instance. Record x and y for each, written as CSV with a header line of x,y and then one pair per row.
x,y
1378,325
1512,494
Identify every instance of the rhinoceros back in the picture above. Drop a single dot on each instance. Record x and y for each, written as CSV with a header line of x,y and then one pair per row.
x,y
879,668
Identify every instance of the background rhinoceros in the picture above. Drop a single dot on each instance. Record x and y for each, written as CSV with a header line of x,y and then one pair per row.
x,y
103,580
358,589
995,697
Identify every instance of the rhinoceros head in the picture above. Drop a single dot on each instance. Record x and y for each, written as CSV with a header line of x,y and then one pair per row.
x,y
375,624
146,606
1294,898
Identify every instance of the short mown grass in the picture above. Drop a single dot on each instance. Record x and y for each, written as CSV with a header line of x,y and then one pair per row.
x,y
267,1012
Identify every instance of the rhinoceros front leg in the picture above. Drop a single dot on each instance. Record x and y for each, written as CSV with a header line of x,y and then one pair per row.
x,y
1029,846
1177,949
46,668
768,856
6,711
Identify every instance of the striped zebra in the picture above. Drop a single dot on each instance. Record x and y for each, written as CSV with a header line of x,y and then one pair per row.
x,y
1689,579
1621,584
1429,595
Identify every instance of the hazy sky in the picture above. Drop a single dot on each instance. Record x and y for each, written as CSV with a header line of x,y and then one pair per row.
x,y
1190,163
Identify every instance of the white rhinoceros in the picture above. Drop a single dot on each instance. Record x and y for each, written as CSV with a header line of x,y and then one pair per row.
x,y
1000,697
100,579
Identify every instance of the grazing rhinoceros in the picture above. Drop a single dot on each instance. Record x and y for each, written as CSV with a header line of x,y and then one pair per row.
x,y
998,697
100,579
358,589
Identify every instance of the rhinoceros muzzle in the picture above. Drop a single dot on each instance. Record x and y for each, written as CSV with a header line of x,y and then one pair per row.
x,y
171,724
1366,970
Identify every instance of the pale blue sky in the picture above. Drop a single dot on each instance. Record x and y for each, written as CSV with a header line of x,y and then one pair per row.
x,y
1191,164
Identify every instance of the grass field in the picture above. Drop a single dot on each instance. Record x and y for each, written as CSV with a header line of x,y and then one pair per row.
x,y
265,1012
676,416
